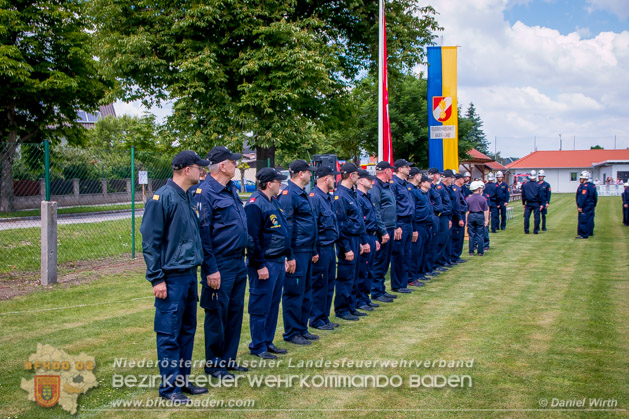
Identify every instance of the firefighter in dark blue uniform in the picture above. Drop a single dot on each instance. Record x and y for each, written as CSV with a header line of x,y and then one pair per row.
x,y
362,287
587,197
324,270
223,273
531,202
503,195
467,178
383,200
302,229
430,257
445,223
266,262
458,220
625,205
171,246
448,181
404,234
544,195
352,242
491,193
421,224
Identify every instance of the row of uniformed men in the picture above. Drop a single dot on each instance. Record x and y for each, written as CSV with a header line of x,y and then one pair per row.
x,y
411,221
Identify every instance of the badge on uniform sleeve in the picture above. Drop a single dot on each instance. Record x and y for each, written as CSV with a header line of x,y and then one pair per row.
x,y
311,193
336,197
285,192
409,189
155,197
199,190
439,187
252,200
584,191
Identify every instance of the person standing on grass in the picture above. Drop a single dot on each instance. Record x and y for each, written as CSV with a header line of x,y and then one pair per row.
x,y
503,199
544,195
491,193
477,218
587,197
458,226
404,234
532,202
422,221
171,246
302,231
324,270
266,257
625,205
223,273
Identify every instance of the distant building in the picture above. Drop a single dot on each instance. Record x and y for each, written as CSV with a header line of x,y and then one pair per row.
x,y
562,167
480,165
89,119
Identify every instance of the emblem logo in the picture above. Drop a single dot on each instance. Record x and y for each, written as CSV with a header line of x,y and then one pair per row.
x,y
47,389
442,108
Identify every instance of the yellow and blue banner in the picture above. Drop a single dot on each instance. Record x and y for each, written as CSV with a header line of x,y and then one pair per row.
x,y
443,122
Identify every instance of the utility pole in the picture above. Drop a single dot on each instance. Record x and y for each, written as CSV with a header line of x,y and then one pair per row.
x,y
560,142
614,142
495,147
574,142
535,143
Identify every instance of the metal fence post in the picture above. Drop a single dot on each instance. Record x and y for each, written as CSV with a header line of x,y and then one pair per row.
x,y
132,202
47,168
48,243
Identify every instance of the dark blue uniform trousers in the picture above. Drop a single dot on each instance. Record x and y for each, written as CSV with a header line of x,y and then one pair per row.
x,y
401,257
323,278
264,305
495,220
442,239
458,237
447,257
542,214
586,223
175,325
502,211
476,230
362,287
418,251
430,255
346,274
381,266
224,310
527,217
297,297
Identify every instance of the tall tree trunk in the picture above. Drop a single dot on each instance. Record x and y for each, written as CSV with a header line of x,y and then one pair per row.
x,y
265,157
7,151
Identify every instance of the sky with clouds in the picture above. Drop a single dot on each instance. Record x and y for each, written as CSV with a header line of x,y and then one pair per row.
x,y
535,69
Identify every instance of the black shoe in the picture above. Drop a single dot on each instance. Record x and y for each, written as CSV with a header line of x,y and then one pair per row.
x,y
386,294
190,389
275,350
335,325
299,340
221,374
536,232
440,269
366,307
526,232
177,399
493,231
480,254
237,368
324,327
374,305
544,229
266,355
486,248
384,299
348,316
416,283
580,237
471,254
461,260
402,290
358,313
310,336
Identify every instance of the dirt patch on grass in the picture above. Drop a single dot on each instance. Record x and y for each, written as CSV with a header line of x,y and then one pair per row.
x,y
14,284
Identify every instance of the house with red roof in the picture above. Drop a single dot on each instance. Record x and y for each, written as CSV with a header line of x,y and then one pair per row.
x,y
480,165
562,167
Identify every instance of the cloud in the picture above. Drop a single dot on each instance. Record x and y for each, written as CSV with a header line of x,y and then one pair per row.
x,y
618,7
528,81
136,108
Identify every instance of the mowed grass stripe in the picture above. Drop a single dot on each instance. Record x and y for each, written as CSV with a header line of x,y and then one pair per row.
x,y
526,312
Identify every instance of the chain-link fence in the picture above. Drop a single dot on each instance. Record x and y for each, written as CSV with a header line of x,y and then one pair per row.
x,y
99,202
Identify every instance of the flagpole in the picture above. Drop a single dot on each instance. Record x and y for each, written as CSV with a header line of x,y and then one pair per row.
x,y
380,81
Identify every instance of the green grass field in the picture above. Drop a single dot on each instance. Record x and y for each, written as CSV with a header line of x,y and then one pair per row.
x,y
542,316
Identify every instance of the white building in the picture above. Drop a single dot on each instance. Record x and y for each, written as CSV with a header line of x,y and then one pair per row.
x,y
562,168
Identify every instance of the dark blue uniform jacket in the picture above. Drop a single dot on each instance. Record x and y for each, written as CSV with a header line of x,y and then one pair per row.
x,y
267,229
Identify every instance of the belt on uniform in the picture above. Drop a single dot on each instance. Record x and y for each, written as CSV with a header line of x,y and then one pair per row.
x,y
476,212
173,272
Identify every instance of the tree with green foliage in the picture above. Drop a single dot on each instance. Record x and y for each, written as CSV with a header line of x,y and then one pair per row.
x,y
47,73
596,147
471,133
275,73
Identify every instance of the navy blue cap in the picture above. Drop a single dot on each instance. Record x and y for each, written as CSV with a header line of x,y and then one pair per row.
x,y
220,153
459,176
348,168
414,171
299,166
383,165
425,179
325,171
401,163
364,174
188,158
448,173
433,171
268,174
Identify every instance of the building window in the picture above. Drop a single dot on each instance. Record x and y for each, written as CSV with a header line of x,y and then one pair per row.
x,y
573,176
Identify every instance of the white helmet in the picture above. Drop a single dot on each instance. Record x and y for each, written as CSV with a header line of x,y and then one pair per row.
x,y
490,177
584,175
476,185
499,174
533,175
467,174
541,173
